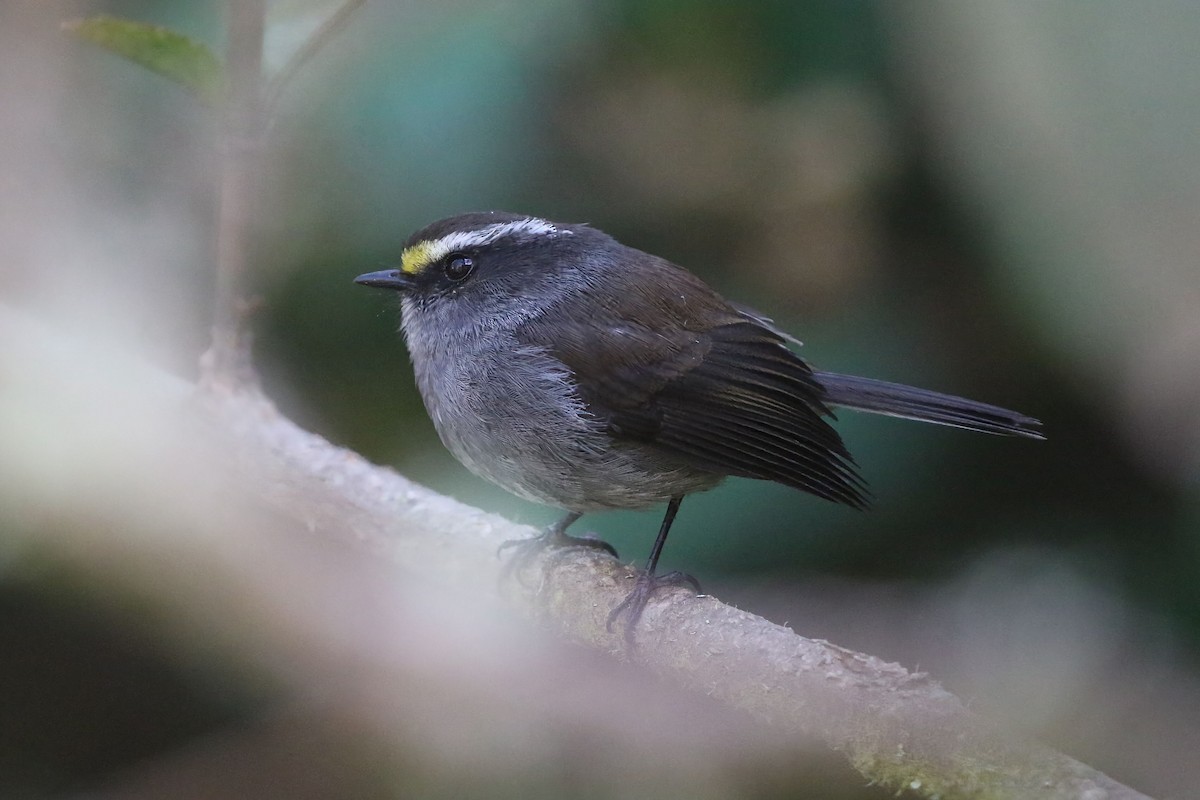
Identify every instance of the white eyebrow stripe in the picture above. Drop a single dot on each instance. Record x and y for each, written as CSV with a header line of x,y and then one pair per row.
x,y
465,240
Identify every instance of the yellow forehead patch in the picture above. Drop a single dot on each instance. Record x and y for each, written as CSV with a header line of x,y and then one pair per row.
x,y
416,258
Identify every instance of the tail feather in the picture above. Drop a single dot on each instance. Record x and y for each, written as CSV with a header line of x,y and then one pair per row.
x,y
909,402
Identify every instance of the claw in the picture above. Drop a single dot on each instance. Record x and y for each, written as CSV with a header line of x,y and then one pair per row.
x,y
635,602
552,538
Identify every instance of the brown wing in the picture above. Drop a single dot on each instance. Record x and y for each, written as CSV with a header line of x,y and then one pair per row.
x,y
732,399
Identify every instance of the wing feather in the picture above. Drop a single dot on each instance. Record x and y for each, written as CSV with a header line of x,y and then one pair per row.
x,y
732,399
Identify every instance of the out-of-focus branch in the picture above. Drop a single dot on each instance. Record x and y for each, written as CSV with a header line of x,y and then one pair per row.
x,y
228,360
900,729
249,107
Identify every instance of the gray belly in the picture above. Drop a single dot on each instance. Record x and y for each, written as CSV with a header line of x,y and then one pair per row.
x,y
514,418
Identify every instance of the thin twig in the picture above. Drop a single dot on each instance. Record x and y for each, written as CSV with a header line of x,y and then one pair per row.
x,y
278,85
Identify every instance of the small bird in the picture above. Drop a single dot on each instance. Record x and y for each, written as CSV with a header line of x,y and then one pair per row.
x,y
583,374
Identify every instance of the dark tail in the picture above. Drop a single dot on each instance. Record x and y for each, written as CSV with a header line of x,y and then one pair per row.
x,y
909,402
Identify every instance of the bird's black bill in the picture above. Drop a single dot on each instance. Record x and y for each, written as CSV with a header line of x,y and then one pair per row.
x,y
385,279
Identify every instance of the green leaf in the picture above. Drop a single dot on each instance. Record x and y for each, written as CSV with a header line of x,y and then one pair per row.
x,y
169,53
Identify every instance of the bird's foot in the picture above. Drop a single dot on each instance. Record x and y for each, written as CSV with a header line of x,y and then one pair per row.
x,y
525,550
635,602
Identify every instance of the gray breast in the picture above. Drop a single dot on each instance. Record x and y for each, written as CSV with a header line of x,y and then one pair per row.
x,y
511,414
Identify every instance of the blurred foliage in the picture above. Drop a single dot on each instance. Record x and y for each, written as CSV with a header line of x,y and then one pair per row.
x,y
927,193
170,54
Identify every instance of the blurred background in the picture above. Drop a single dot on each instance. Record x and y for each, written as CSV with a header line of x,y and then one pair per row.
x,y
995,199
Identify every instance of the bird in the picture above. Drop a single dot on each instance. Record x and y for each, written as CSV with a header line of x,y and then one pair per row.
x,y
583,374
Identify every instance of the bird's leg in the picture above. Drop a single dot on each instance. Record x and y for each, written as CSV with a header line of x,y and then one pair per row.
x,y
648,582
554,536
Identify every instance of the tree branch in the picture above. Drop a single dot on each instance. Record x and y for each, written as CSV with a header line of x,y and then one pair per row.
x,y
898,728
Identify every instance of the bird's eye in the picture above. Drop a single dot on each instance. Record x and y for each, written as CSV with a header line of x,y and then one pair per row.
x,y
458,267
